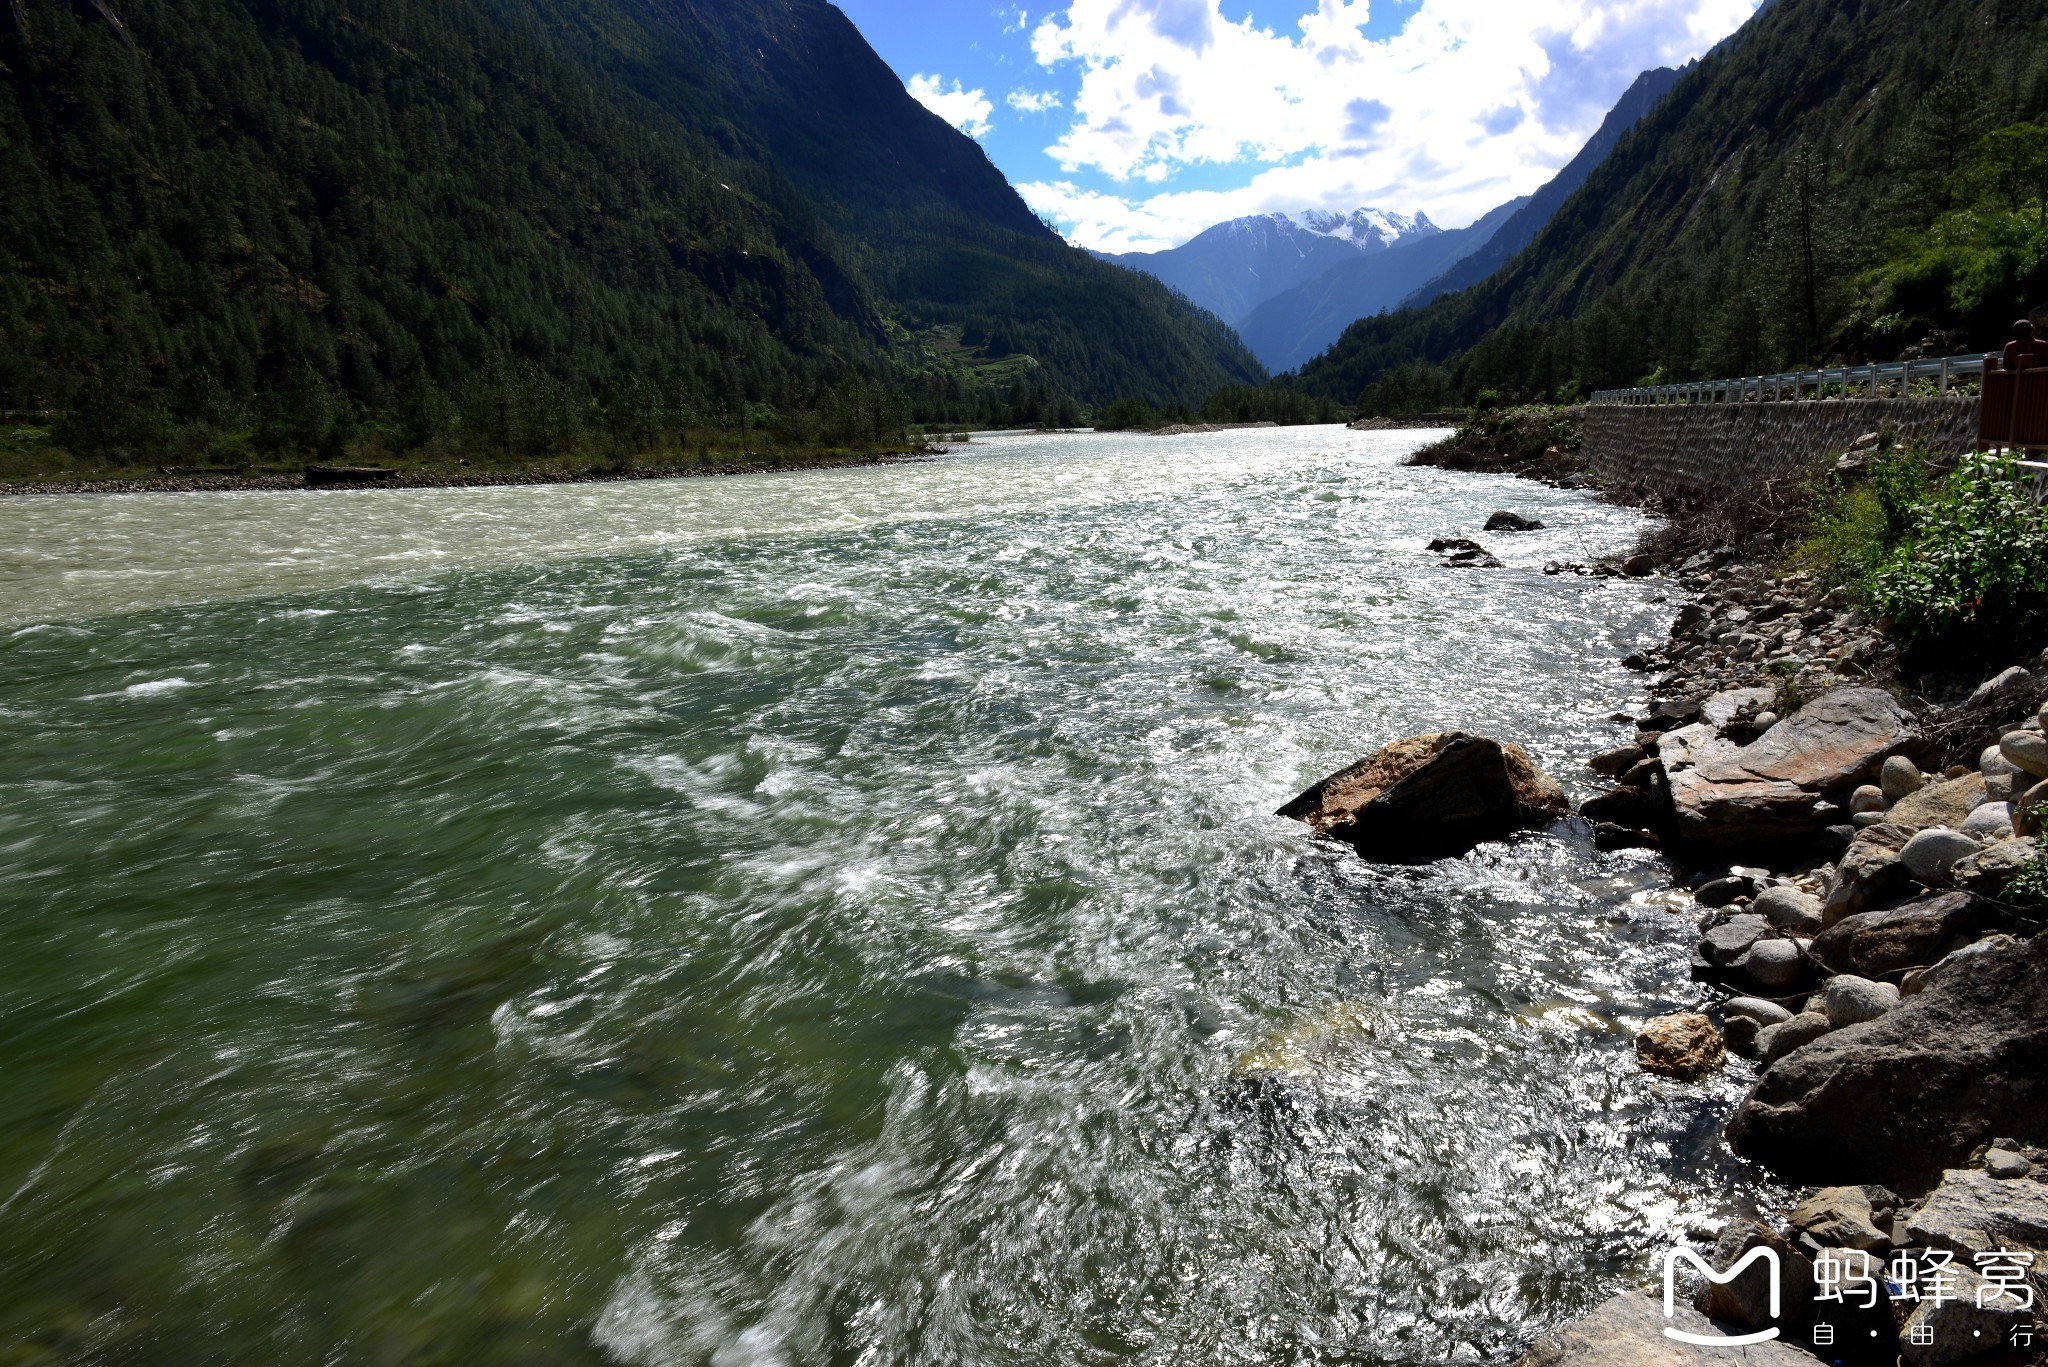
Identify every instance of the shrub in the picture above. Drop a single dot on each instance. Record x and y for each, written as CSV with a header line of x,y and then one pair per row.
x,y
1971,572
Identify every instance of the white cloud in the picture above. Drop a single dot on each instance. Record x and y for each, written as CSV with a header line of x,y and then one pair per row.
x,y
966,110
1469,105
1034,101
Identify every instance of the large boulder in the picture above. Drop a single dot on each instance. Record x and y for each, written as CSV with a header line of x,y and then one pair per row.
x,y
1882,944
1628,1331
1900,1099
1432,797
1744,1304
1770,793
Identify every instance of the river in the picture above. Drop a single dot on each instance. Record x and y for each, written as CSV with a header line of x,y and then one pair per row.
x,y
816,919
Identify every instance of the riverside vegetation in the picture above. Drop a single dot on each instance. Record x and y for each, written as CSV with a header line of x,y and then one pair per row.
x,y
1862,818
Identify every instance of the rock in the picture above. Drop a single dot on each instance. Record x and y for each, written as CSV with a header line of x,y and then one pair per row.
x,y
1432,797
1722,892
1959,1330
2028,751
1994,764
1790,909
1629,808
2010,686
1868,798
1686,1047
1879,944
1766,720
1869,872
1772,965
1901,1099
1628,1331
1756,1009
2029,809
1930,855
1947,803
1732,939
1972,1212
1987,873
1615,763
1900,778
1724,708
2008,1166
1639,566
1776,1041
1739,1034
1852,1000
1745,1303
1511,522
1841,1217
1992,821
1764,795
1455,545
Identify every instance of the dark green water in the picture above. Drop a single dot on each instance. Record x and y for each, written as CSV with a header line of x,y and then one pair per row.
x,y
819,920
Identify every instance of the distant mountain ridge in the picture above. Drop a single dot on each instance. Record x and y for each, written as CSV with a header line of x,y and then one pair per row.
x,y
1295,327
1234,267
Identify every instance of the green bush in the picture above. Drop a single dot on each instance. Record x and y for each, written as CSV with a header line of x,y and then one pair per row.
x,y
1127,415
1973,571
1856,526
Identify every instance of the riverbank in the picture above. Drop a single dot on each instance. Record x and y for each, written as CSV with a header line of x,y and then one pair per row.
x,y
444,477
1863,867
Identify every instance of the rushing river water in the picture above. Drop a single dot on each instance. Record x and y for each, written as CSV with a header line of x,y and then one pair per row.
x,y
814,919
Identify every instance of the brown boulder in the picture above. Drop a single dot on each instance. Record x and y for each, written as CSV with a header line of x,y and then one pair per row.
x,y
1431,797
1686,1047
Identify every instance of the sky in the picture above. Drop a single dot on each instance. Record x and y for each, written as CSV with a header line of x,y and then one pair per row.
x,y
1132,125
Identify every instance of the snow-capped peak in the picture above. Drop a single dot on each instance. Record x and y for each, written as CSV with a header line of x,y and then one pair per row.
x,y
1366,229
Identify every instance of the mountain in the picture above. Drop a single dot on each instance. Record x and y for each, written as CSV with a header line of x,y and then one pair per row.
x,y
1234,267
1297,326
214,201
1519,231
1827,184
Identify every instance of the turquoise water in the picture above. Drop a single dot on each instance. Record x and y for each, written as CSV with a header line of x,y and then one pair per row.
x,y
813,919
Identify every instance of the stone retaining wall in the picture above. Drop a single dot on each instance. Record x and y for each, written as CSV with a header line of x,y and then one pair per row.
x,y
1717,448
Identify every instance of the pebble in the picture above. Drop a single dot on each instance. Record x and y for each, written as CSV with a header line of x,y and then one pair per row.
x,y
1852,1001
1901,778
1790,909
1930,855
1773,964
1868,798
1992,821
2028,750
1756,1009
2007,1166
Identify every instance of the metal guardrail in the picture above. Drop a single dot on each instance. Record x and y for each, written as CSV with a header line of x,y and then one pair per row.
x,y
1871,380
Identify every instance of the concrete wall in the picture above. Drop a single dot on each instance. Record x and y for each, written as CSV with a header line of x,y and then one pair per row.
x,y
1716,448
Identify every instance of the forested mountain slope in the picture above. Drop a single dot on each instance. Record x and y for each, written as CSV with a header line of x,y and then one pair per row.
x,y
1804,191
222,204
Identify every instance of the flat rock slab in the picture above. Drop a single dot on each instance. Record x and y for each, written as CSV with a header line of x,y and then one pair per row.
x,y
1628,1331
1765,794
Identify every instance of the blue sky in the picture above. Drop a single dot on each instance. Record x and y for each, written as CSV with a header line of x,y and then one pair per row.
x,y
1134,124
